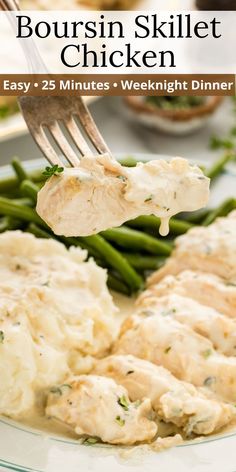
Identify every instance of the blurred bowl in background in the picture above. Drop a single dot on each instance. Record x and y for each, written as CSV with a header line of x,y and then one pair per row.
x,y
109,4
74,4
175,121
216,5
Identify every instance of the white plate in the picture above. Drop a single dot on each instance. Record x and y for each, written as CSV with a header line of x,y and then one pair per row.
x,y
23,449
15,125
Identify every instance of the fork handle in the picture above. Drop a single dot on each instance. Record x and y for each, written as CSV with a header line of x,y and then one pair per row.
x,y
34,60
9,5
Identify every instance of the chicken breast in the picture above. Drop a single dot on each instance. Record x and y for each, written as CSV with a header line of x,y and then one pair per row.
x,y
205,288
206,321
174,401
101,194
209,249
186,354
97,406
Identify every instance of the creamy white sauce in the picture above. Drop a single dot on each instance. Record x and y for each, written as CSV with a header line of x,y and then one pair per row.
x,y
164,226
101,194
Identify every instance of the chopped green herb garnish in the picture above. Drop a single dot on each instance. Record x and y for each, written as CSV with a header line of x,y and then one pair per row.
x,y
168,312
66,385
54,170
120,421
209,381
219,143
230,284
59,390
2,336
137,403
148,199
122,177
147,313
167,350
227,144
45,284
207,353
123,402
56,390
215,143
175,103
90,441
233,131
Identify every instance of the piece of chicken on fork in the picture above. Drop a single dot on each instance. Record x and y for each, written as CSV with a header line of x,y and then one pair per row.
x,y
100,193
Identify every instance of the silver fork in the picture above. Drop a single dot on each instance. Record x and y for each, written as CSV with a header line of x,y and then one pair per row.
x,y
45,115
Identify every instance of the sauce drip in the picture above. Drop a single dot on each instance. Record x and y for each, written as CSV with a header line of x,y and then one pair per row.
x,y
164,226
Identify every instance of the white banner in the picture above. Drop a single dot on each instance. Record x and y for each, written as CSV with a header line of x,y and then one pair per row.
x,y
137,42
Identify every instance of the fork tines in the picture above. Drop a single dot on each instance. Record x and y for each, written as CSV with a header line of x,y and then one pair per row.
x,y
47,116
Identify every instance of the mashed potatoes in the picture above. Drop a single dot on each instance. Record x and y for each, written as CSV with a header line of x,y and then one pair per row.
x,y
55,314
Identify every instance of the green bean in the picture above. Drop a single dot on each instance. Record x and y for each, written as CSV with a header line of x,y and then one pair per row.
x,y
96,245
96,242
9,208
140,262
9,184
13,194
133,239
223,210
82,244
95,249
37,176
117,285
202,167
29,189
39,232
113,282
114,259
149,221
197,217
3,224
23,201
19,169
217,168
9,224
